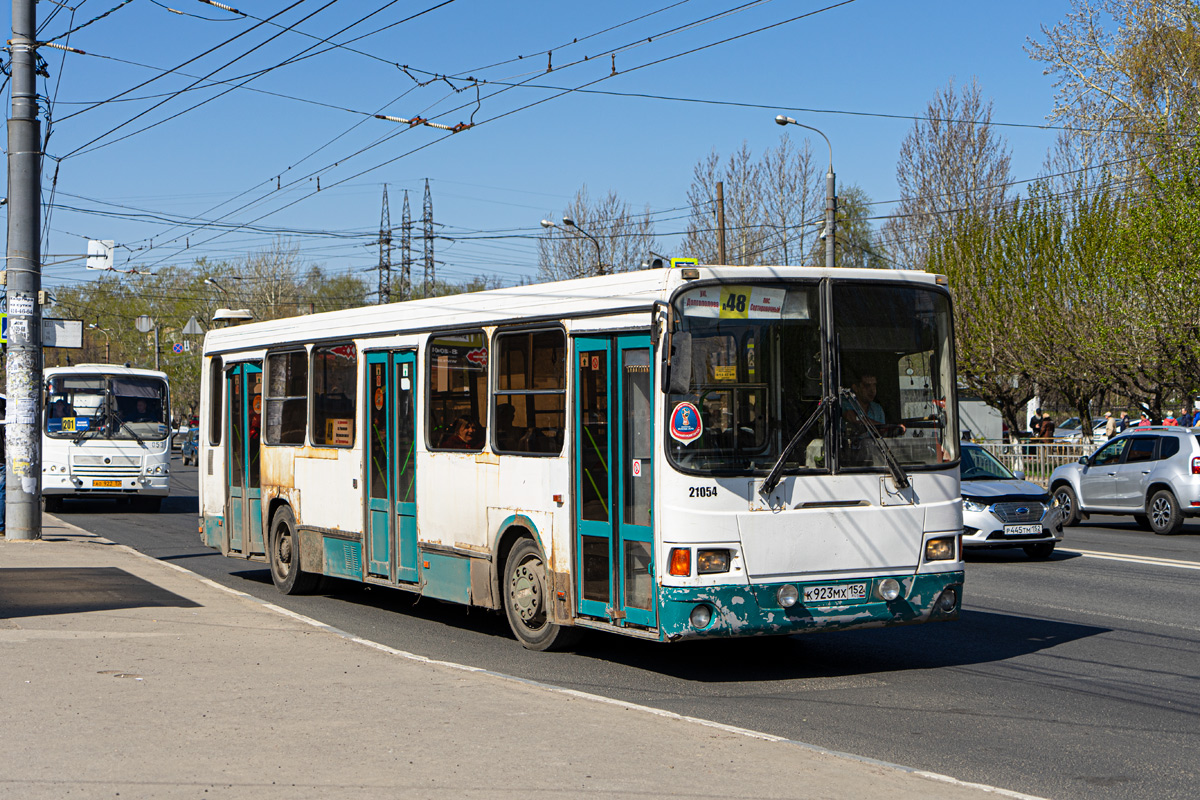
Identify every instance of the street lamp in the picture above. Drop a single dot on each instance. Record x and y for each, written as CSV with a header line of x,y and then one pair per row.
x,y
107,341
830,191
224,291
570,223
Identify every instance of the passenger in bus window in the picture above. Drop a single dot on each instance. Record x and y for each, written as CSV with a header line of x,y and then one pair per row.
x,y
508,436
61,409
462,435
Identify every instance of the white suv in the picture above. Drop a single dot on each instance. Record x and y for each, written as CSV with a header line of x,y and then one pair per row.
x,y
1151,473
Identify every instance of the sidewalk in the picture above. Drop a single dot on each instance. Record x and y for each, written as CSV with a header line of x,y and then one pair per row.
x,y
124,676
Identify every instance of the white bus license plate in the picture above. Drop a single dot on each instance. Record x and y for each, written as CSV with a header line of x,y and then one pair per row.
x,y
1033,529
846,591
106,484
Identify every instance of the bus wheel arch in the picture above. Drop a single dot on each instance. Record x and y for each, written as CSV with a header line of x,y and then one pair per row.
x,y
283,553
525,593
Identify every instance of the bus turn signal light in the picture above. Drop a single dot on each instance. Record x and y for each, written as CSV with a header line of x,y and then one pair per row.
x,y
681,561
940,549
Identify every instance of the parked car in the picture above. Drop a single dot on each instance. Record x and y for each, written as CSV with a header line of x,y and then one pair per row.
x,y
1002,509
1151,473
1072,431
191,446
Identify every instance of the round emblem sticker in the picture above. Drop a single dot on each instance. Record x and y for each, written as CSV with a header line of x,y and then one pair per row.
x,y
685,423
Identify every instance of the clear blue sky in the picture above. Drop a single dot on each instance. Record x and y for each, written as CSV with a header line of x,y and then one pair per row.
x,y
220,163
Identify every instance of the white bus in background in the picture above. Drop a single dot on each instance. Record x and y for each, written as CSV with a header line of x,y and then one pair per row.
x,y
106,434
667,454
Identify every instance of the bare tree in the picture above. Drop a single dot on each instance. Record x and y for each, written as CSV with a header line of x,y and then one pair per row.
x,y
951,161
791,202
1127,75
770,205
619,239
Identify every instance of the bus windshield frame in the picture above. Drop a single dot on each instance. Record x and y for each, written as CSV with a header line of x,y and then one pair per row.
x,y
86,406
761,359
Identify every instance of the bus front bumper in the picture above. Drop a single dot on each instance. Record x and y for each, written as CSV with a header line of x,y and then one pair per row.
x,y
63,485
755,610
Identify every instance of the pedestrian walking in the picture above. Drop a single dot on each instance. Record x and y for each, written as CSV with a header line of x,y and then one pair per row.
x,y
1046,432
1110,425
1170,419
1123,422
1035,424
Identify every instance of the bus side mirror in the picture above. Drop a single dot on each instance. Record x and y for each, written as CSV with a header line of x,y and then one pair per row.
x,y
678,377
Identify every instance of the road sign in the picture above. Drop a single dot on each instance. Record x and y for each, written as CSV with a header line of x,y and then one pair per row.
x,y
177,347
55,332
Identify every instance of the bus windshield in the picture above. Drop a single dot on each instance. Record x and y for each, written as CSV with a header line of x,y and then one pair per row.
x,y
119,407
760,359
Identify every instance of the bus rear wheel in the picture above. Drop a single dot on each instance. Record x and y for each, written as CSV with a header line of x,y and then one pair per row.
x,y
527,598
286,573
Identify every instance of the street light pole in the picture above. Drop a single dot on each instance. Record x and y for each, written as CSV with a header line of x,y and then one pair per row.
x,y
107,342
570,223
830,192
23,365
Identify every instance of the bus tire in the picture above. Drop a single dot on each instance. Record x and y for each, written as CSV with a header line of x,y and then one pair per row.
x,y
526,599
286,572
1064,495
1164,513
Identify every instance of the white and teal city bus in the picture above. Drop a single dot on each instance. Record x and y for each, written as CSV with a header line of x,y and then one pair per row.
x,y
668,454
106,434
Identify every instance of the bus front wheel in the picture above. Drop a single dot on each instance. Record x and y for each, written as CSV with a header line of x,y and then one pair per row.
x,y
286,573
527,598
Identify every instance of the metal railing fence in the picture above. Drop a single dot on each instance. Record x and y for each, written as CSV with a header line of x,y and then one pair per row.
x,y
1038,459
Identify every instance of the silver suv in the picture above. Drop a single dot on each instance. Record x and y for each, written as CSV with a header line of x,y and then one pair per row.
x,y
1151,473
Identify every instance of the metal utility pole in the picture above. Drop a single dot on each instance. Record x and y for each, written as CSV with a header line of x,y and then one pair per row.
x,y
385,253
830,193
23,367
721,222
406,251
427,225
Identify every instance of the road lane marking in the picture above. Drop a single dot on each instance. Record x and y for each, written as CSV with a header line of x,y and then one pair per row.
x,y
1150,561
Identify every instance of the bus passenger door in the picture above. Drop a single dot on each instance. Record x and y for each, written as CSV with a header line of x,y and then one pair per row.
x,y
613,478
391,466
244,390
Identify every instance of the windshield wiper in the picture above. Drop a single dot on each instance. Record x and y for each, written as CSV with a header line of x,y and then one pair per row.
x,y
772,480
86,434
898,473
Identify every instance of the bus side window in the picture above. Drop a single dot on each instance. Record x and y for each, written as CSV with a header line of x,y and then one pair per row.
x,y
456,403
335,387
216,385
531,389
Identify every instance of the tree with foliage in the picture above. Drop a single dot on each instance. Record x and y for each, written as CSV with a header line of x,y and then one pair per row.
x,y
620,239
951,161
858,245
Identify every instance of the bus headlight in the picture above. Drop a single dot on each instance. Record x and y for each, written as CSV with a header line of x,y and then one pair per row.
x,y
787,595
700,617
709,561
940,549
888,589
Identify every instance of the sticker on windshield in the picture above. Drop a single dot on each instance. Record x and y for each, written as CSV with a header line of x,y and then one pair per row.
x,y
685,423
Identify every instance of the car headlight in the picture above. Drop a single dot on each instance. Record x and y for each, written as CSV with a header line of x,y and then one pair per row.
x,y
974,506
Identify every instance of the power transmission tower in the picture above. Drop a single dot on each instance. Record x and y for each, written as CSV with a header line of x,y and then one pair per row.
x,y
427,226
385,253
406,251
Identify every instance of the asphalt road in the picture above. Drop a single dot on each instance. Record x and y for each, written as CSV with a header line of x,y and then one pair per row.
x,y
1077,677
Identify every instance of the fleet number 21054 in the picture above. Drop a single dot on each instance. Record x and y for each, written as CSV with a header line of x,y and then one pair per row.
x,y
702,491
